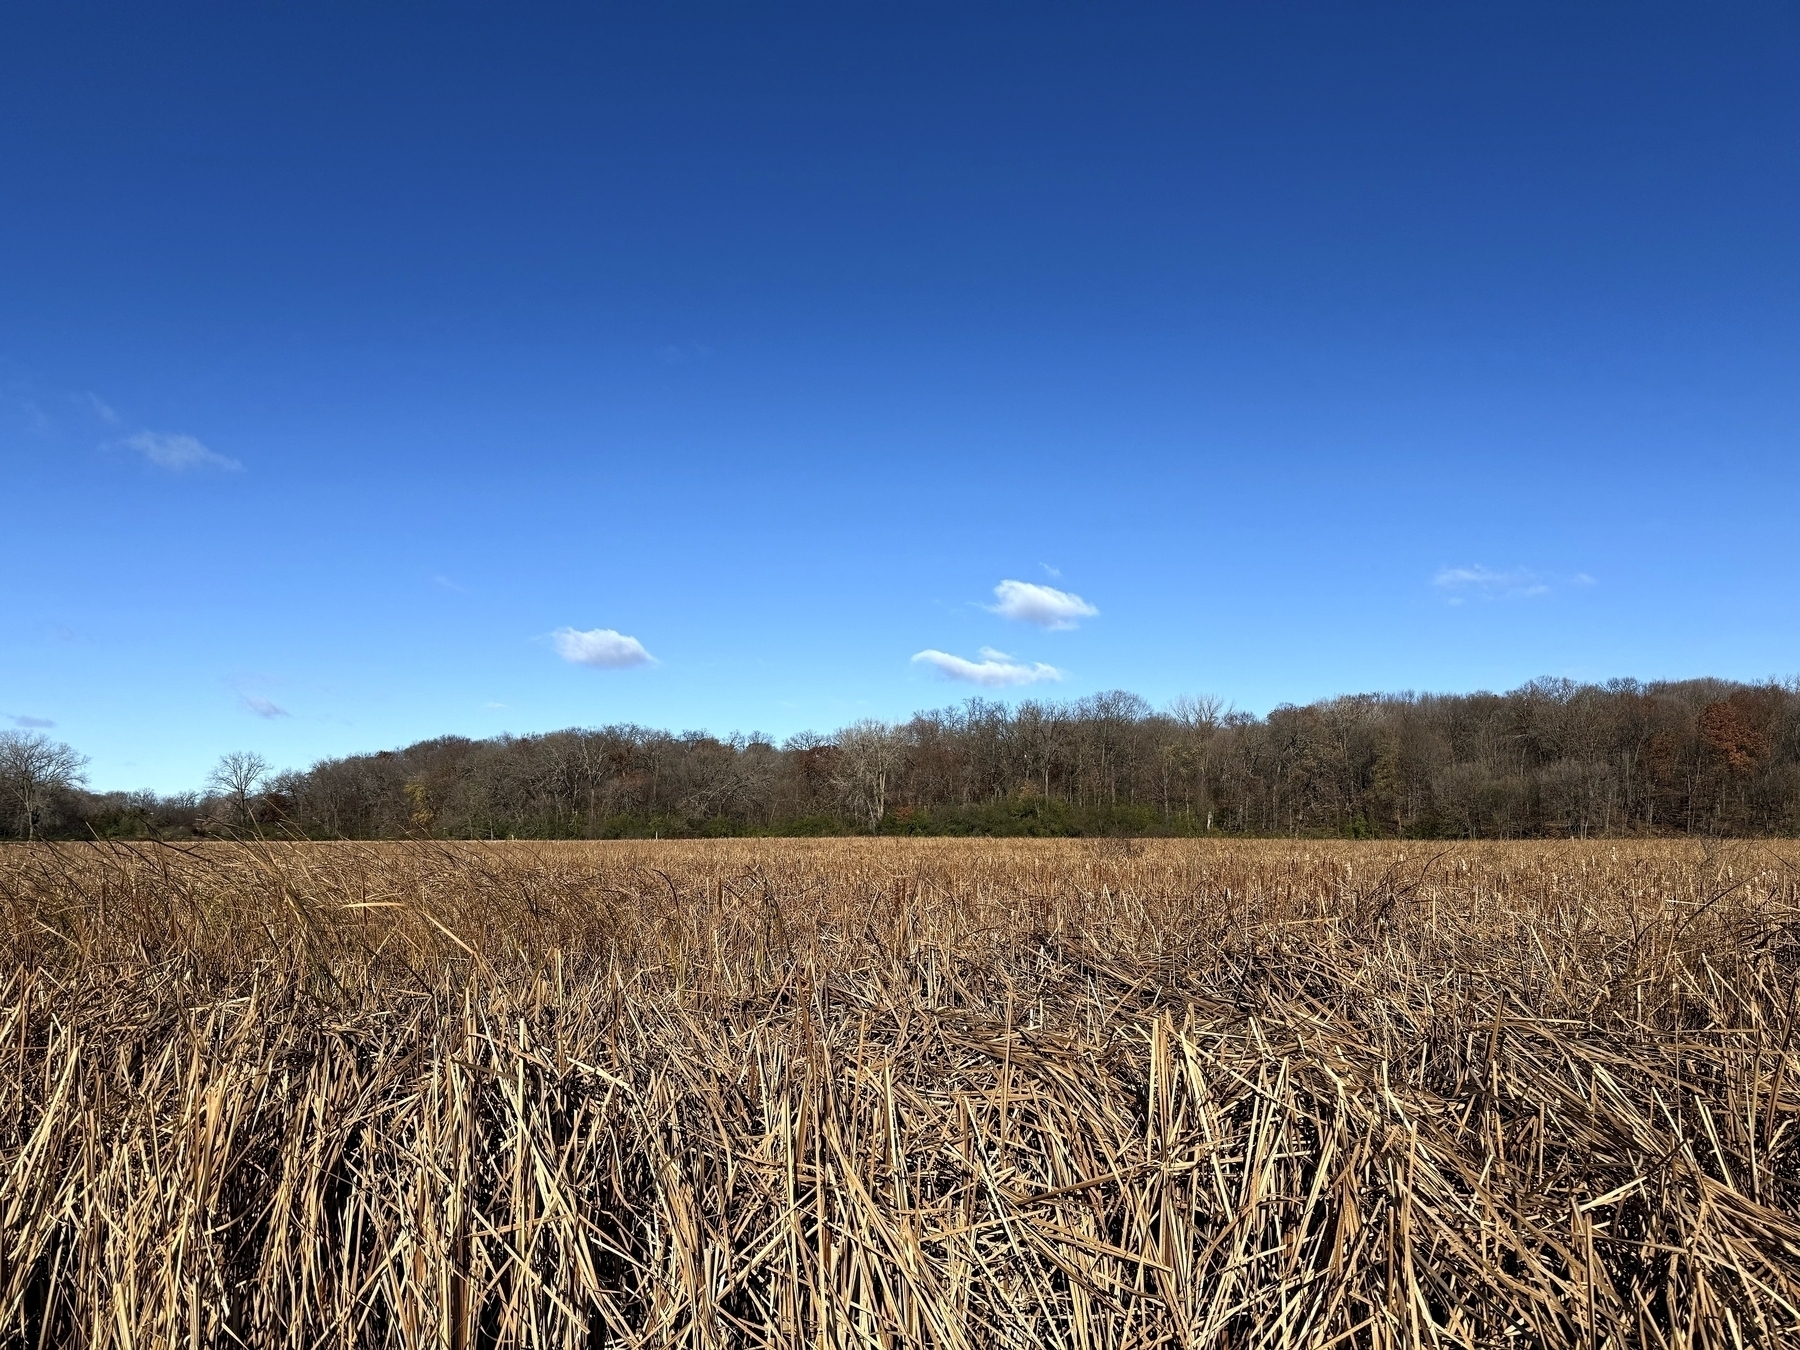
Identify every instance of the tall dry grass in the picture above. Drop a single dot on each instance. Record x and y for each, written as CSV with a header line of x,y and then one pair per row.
x,y
898,1093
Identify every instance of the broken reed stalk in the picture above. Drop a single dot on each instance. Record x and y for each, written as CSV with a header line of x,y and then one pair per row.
x,y
947,1093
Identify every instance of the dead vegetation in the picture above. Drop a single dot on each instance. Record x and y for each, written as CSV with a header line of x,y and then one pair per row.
x,y
895,1093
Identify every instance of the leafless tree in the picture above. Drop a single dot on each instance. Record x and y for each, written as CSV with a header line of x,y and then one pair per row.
x,y
1198,720
869,754
238,778
31,766
1042,732
1199,712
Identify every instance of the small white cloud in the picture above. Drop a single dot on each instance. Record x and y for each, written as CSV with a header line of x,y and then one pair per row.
x,y
266,708
1044,606
31,723
178,452
1489,583
102,409
600,647
996,670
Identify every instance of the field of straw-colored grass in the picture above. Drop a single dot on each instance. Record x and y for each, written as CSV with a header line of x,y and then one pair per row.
x,y
885,1092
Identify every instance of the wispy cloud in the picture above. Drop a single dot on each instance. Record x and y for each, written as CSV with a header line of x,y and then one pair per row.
x,y
102,409
31,723
1044,606
37,421
601,647
266,708
1488,583
178,452
995,670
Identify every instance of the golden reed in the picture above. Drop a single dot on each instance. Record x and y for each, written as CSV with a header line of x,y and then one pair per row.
x,y
897,1093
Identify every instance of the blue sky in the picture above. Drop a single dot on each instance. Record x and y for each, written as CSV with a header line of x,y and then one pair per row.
x,y
360,365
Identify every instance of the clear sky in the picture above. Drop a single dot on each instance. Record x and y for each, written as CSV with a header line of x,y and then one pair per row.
x,y
362,365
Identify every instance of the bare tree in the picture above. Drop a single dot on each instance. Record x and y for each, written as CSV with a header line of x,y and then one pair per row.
x,y
31,766
869,754
238,778
1199,712
1198,721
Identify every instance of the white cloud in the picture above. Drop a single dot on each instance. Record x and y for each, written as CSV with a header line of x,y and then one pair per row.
x,y
263,707
995,670
600,647
1489,583
178,452
1044,606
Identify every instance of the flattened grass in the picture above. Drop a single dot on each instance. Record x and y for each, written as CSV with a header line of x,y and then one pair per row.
x,y
960,1093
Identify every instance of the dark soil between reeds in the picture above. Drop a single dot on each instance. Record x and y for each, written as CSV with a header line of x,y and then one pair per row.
x,y
898,1093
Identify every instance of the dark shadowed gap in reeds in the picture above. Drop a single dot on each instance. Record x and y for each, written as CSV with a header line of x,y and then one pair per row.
x,y
897,1093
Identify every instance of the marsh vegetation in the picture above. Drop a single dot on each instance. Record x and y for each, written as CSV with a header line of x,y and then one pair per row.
x,y
895,1092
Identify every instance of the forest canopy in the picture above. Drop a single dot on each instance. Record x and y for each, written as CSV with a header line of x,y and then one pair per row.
x,y
1552,758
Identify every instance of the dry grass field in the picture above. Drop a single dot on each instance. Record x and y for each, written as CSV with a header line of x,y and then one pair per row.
x,y
885,1092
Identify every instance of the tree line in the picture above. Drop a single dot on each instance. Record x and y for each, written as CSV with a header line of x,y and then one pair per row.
x,y
1552,758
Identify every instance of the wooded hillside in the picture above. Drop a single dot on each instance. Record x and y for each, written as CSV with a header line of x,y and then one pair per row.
x,y
1552,758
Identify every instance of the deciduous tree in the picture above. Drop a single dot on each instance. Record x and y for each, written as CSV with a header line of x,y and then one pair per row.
x,y
33,766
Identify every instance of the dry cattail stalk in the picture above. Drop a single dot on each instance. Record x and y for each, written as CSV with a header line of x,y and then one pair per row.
x,y
899,1092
